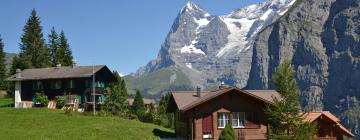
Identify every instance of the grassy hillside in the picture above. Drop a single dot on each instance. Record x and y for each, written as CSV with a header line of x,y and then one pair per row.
x,y
46,124
159,82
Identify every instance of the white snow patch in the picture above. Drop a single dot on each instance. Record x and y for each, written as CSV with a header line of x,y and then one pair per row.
x,y
189,65
201,22
207,15
189,5
191,48
237,37
266,15
287,8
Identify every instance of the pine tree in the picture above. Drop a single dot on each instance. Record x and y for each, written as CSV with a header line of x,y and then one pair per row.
x,y
53,46
284,116
117,95
3,84
33,50
138,106
228,133
64,53
167,119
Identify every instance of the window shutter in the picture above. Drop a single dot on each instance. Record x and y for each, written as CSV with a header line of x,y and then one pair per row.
x,y
207,123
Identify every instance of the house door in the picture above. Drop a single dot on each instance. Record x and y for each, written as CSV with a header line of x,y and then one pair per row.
x,y
207,126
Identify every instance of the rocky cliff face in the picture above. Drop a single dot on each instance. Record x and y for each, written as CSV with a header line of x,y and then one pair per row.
x,y
321,39
212,49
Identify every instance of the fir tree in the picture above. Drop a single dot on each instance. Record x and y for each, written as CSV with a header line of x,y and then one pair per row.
x,y
138,105
3,84
33,50
116,102
53,46
167,119
64,53
284,115
227,133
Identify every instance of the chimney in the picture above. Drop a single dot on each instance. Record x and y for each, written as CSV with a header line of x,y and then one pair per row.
x,y
18,73
198,91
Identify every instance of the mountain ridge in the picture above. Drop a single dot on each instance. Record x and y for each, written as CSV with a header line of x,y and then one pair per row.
x,y
203,45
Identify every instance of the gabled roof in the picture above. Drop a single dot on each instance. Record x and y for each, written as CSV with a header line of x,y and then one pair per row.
x,y
146,101
187,100
57,73
312,116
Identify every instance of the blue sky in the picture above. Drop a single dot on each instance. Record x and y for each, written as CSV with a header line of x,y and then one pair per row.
x,y
123,34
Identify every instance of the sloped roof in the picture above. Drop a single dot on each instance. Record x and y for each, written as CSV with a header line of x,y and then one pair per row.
x,y
312,116
146,101
56,73
188,100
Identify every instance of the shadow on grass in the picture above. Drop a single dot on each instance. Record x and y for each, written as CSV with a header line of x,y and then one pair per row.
x,y
163,134
6,105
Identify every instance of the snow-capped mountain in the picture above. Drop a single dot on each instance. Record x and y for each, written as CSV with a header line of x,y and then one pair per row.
x,y
212,49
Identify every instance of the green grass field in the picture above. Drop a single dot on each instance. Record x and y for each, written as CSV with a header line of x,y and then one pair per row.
x,y
44,124
6,102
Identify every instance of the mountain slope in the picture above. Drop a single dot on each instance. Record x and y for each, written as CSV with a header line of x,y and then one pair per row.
x,y
212,49
321,39
8,59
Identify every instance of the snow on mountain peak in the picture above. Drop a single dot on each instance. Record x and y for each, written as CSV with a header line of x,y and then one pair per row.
x,y
192,7
240,23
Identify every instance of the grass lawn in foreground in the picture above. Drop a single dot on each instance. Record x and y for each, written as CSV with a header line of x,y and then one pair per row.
x,y
6,102
40,124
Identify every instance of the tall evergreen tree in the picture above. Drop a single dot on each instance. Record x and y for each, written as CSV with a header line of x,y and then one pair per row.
x,y
138,107
3,84
53,46
64,53
116,102
285,117
33,50
167,119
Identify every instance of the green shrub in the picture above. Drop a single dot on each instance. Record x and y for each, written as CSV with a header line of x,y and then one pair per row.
x,y
60,101
227,133
41,99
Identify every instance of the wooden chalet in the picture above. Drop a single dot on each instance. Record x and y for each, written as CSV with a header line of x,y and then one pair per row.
x,y
204,114
74,82
329,126
147,103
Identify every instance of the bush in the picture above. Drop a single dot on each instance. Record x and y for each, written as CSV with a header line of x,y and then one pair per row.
x,y
60,101
41,99
228,133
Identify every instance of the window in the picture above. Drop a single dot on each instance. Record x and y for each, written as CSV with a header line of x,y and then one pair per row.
x,y
37,85
223,119
56,84
207,126
71,84
238,119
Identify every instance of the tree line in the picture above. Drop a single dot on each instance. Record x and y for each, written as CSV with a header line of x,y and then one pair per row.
x,y
34,51
116,104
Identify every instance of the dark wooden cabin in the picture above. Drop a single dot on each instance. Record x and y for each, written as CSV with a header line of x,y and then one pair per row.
x,y
74,81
